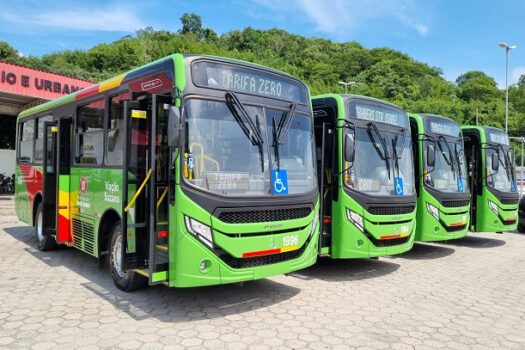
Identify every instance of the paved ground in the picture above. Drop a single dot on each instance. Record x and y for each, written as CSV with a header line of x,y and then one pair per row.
x,y
465,294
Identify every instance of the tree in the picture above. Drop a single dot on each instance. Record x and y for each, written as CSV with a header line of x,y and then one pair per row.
x,y
7,51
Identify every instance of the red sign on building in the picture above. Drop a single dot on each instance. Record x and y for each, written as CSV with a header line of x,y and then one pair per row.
x,y
26,81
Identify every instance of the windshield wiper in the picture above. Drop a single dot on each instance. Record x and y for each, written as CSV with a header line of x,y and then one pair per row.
x,y
285,123
385,155
394,150
450,160
276,144
507,164
252,131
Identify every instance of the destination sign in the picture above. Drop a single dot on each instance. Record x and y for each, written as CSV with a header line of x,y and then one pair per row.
x,y
443,127
247,80
379,114
500,137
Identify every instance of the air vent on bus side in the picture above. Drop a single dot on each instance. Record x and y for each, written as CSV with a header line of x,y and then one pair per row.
x,y
84,235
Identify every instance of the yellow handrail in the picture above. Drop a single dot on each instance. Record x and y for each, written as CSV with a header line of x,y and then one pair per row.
x,y
159,202
130,204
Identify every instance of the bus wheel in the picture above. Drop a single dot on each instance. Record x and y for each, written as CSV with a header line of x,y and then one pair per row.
x,y
521,228
126,280
44,243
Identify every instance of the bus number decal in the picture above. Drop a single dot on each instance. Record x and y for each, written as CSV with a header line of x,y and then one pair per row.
x,y
290,240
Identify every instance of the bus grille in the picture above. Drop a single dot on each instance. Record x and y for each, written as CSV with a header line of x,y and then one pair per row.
x,y
242,263
254,216
456,203
508,201
391,210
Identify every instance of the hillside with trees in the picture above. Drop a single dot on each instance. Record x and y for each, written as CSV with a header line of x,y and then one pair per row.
x,y
379,72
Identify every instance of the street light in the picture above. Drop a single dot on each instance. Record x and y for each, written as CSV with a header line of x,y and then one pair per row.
x,y
347,84
507,48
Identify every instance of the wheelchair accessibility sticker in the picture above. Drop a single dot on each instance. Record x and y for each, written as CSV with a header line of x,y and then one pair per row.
x,y
398,181
460,184
513,186
279,182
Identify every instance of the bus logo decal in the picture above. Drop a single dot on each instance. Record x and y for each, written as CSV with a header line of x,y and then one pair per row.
x,y
83,184
152,84
279,182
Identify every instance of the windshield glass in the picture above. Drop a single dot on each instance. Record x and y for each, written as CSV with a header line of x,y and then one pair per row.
x,y
374,171
449,172
502,179
221,158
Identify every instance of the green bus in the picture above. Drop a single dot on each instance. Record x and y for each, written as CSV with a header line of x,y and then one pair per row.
x,y
189,171
490,157
443,196
366,177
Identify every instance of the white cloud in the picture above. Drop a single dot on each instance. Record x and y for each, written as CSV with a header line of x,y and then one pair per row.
x,y
341,16
112,19
516,74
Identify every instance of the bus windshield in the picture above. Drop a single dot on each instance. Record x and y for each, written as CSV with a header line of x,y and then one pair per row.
x,y
381,157
222,156
503,179
449,173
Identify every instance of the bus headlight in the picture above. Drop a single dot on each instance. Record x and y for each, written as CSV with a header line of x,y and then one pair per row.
x,y
315,222
356,219
494,207
433,210
199,230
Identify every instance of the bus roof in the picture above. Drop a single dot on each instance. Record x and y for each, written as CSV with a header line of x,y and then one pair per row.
x,y
165,64
430,115
347,97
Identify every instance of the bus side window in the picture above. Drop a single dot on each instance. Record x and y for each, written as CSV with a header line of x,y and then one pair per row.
x,y
115,136
89,133
39,142
27,131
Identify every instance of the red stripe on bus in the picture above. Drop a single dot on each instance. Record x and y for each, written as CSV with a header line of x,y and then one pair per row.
x,y
390,237
87,92
261,253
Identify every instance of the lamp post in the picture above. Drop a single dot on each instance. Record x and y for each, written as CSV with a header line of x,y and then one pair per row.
x,y
507,48
347,84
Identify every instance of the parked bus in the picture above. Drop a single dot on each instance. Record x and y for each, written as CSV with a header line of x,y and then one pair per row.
x,y
206,165
490,157
365,167
443,196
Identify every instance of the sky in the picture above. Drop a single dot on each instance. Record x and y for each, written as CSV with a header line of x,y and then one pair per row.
x,y
456,36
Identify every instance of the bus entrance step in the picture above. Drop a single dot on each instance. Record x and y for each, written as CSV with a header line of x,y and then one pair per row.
x,y
162,247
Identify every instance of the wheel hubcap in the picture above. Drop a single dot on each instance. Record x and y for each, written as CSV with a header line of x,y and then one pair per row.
x,y
39,228
116,258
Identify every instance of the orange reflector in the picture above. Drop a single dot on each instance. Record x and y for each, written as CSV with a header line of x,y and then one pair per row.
x,y
456,224
162,234
390,237
261,253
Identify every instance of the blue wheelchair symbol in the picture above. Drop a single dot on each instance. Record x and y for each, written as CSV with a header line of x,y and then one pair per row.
x,y
280,182
461,188
513,186
398,182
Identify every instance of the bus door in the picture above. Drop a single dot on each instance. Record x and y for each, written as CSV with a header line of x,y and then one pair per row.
x,y
64,191
324,137
145,187
49,187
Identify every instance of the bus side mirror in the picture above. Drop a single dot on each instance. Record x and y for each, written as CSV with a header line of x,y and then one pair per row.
x,y
174,126
349,147
495,161
431,156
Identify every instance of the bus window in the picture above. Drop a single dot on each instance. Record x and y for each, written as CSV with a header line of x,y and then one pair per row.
x,y
26,144
115,137
39,143
90,133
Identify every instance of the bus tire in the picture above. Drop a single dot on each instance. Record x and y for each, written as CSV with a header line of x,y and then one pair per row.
x,y
521,228
44,242
128,280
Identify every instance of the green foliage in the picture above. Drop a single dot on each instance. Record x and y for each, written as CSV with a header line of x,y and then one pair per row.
x,y
380,72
